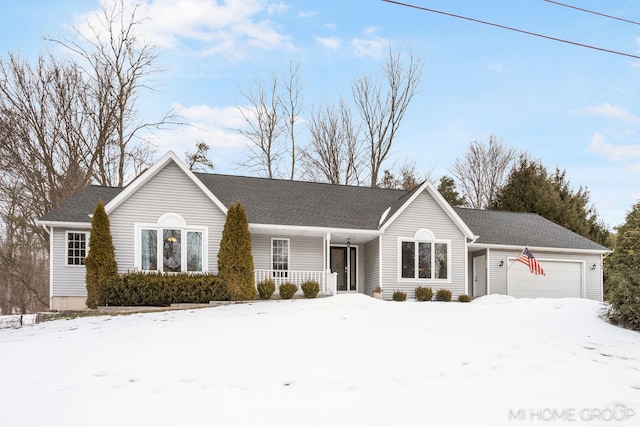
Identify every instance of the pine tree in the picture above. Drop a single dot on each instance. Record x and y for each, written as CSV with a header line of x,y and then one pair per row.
x,y
100,262
235,260
623,268
447,188
531,188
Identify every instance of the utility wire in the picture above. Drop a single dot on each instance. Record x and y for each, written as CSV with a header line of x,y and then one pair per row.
x,y
513,29
593,12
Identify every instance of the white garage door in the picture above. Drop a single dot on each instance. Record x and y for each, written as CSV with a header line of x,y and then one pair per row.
x,y
563,279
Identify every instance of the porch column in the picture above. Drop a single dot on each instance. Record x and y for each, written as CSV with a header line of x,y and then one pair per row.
x,y
327,264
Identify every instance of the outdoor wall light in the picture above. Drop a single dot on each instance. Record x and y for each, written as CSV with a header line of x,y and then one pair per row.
x,y
501,263
594,266
348,242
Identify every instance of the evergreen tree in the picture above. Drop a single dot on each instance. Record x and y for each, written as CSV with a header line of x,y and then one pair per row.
x,y
100,262
235,261
447,188
623,271
530,188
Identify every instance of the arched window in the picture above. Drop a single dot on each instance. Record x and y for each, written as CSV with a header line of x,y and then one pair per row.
x,y
170,245
423,257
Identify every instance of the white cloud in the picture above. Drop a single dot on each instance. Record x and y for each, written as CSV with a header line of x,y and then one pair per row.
x,y
369,30
372,47
213,125
277,8
329,42
306,14
623,153
608,110
206,27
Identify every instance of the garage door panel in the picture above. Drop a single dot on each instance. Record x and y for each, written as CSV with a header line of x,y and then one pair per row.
x,y
563,279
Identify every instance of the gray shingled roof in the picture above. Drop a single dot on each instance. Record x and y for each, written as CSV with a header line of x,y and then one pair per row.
x,y
300,203
522,229
269,201
82,204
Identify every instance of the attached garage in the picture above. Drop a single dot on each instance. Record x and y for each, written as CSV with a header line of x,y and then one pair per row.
x,y
563,279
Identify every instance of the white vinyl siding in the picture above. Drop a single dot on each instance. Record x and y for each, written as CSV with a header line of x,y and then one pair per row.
x,y
170,190
424,212
497,276
68,280
305,253
372,267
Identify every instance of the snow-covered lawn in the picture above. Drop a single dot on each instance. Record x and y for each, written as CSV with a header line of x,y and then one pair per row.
x,y
345,361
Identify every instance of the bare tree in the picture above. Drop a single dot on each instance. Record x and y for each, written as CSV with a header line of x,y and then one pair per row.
x,y
483,170
263,126
383,104
117,65
292,101
334,152
199,160
404,177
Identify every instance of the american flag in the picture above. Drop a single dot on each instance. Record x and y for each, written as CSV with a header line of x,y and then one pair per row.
x,y
527,258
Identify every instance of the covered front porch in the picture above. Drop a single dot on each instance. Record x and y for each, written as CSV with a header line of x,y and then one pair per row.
x,y
335,259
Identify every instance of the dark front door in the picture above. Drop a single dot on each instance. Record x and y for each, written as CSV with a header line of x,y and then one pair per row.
x,y
344,262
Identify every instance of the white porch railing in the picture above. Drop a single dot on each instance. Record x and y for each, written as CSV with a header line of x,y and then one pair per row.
x,y
326,280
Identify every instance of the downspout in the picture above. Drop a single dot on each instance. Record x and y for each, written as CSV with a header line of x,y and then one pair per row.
x,y
50,233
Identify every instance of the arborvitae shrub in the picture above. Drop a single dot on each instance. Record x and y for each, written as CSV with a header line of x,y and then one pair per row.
x,y
266,288
443,295
464,298
157,289
100,263
424,294
399,296
235,261
287,290
310,288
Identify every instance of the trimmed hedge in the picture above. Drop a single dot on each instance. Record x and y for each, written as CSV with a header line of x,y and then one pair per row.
x,y
310,288
443,295
464,298
157,289
424,294
266,288
399,296
287,290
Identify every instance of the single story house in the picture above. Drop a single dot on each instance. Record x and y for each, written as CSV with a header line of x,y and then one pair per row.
x,y
349,239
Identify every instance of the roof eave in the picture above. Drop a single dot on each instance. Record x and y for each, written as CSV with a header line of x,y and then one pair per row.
x,y
537,248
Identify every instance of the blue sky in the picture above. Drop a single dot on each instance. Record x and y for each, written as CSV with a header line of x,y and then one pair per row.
x,y
571,107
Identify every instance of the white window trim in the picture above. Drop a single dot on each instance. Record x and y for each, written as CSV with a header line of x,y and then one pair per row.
x,y
66,247
422,280
137,253
288,254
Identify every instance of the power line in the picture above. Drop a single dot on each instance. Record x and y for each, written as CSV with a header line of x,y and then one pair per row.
x,y
593,12
513,29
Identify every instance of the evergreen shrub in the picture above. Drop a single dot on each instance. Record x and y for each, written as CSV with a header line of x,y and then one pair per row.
x,y
235,261
100,263
464,298
443,295
287,290
158,289
399,296
266,288
424,294
310,288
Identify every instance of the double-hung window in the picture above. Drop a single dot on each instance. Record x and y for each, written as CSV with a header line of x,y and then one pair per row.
x,y
77,247
280,257
424,259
